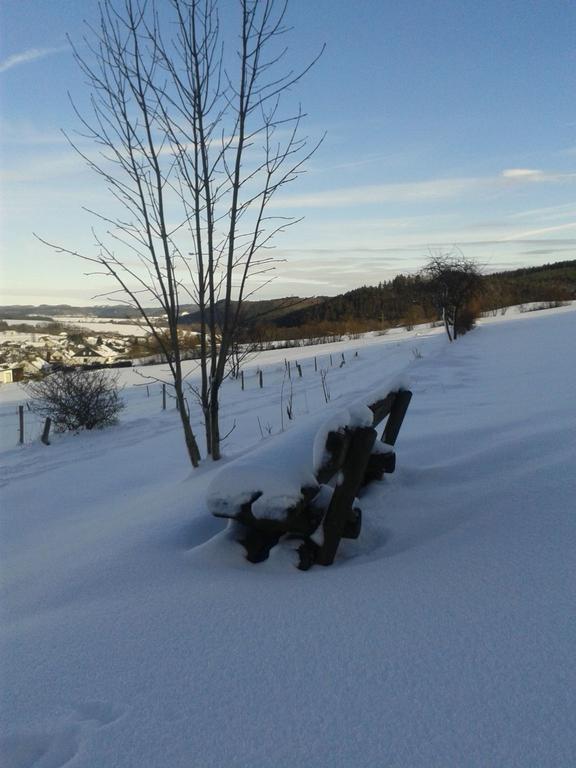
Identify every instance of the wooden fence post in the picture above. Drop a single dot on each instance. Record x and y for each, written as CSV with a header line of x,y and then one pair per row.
x,y
242,378
21,423
260,378
46,431
163,397
299,368
315,365
330,359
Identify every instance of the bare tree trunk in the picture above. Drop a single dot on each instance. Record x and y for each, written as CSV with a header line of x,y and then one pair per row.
x,y
189,438
176,367
208,429
205,385
446,323
215,424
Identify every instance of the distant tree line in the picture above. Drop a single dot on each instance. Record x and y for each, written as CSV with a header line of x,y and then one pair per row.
x,y
409,300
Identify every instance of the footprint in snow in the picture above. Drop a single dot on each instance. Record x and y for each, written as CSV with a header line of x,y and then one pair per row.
x,y
40,750
98,712
198,532
44,750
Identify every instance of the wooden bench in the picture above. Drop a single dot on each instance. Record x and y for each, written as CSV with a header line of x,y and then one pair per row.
x,y
325,511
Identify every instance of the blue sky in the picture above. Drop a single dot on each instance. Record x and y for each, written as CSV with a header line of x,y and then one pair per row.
x,y
448,122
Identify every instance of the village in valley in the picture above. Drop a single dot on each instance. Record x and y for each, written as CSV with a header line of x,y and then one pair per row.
x,y
25,354
33,345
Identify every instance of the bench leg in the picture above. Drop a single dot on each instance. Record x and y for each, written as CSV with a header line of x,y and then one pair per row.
x,y
307,555
353,524
258,544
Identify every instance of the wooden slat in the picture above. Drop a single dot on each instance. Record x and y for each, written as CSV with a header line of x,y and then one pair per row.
x,y
382,408
401,403
337,444
362,441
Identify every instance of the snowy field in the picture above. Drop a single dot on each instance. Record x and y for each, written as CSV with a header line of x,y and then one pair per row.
x,y
134,634
94,324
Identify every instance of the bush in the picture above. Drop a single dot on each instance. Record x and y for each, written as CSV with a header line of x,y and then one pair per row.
x,y
466,320
77,399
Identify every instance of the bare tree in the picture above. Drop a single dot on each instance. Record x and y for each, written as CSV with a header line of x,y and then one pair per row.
x,y
454,281
193,146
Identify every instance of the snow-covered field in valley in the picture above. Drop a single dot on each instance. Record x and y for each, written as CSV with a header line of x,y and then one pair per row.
x,y
135,634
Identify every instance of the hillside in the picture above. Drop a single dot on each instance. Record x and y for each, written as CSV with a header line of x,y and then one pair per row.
x,y
135,634
401,300
50,311
261,310
546,283
254,311
392,301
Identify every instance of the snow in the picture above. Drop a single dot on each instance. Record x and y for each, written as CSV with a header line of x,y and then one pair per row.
x,y
382,448
105,325
135,634
277,472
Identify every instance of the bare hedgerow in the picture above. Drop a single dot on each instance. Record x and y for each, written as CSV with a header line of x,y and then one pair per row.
x,y
77,399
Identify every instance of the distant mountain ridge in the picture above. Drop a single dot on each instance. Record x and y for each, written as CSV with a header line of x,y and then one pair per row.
x,y
262,311
49,311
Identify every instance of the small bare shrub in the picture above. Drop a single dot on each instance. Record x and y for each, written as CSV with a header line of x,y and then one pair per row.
x,y
325,387
77,399
290,403
265,430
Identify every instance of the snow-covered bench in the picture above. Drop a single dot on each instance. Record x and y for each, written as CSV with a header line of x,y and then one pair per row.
x,y
305,482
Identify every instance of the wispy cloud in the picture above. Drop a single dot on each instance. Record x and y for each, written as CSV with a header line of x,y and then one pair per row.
x,y
523,174
43,167
420,191
548,213
25,57
543,231
379,193
30,134
533,176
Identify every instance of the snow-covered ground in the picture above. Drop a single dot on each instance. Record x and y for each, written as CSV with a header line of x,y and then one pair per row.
x,y
106,325
134,633
95,324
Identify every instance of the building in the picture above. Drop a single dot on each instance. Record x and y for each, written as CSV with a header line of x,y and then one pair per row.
x,y
14,373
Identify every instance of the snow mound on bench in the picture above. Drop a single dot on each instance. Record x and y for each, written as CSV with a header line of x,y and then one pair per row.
x,y
356,416
278,470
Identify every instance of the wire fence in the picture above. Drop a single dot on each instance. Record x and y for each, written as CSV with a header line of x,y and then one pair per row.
x,y
20,425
